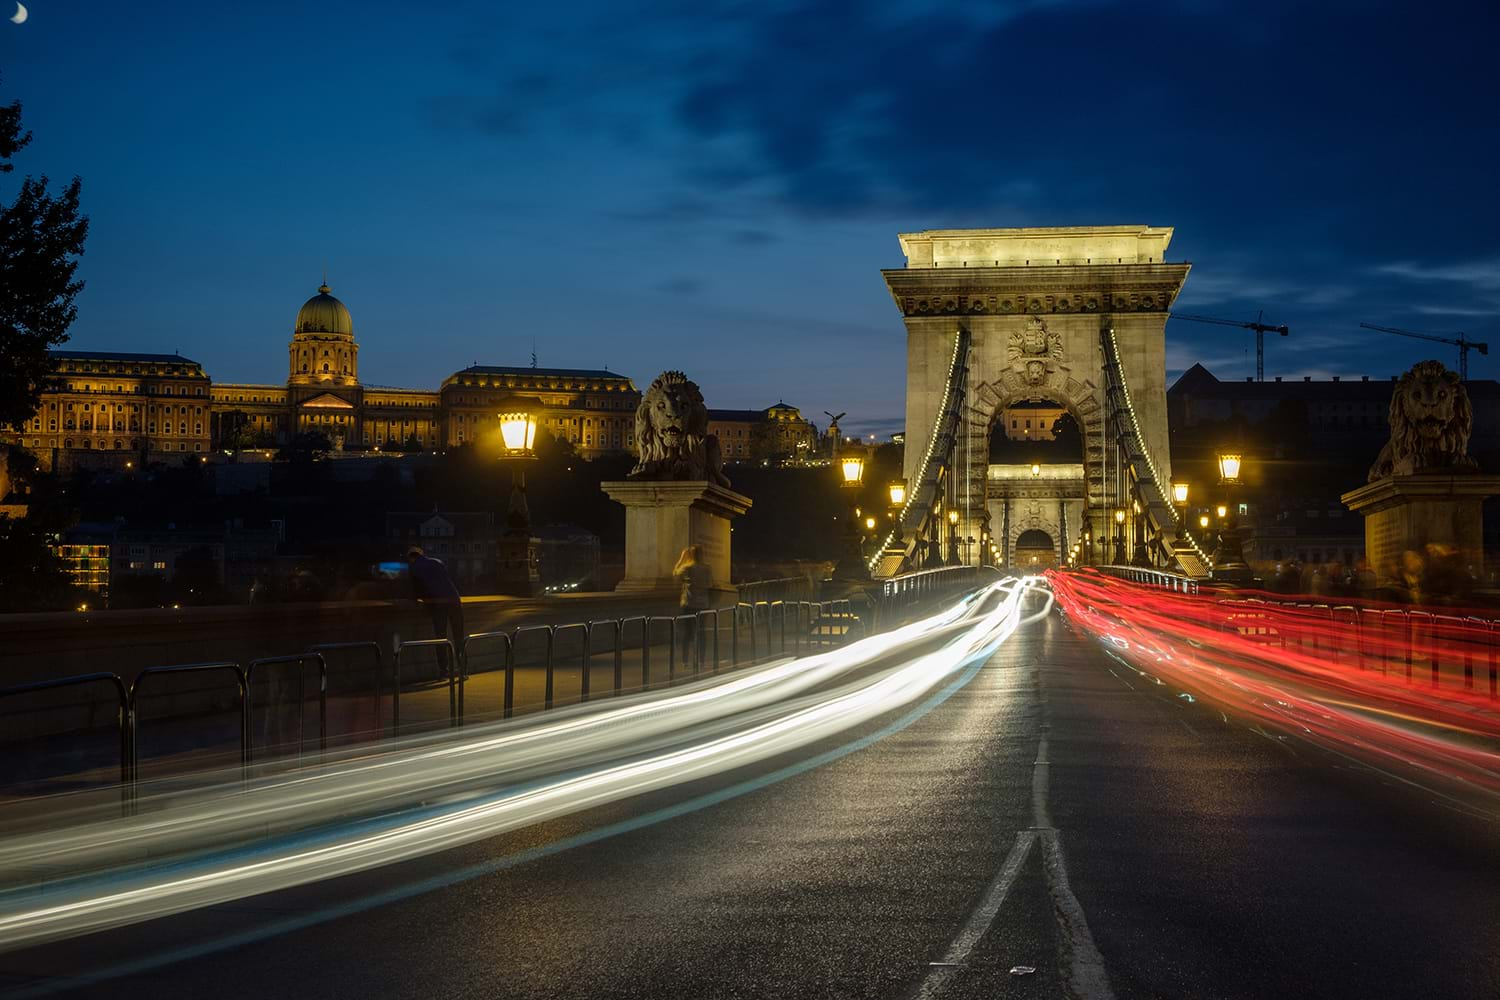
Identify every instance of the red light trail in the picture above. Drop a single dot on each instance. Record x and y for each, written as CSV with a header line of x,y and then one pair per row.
x,y
1388,685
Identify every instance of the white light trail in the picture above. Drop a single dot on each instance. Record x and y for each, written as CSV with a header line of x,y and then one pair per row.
x,y
231,841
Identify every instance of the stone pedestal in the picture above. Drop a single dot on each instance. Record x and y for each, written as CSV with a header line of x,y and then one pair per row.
x,y
1410,512
663,518
517,568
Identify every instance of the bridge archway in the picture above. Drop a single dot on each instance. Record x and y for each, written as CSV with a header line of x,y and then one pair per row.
x,y
1074,315
1035,551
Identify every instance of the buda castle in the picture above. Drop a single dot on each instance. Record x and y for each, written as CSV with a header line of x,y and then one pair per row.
x,y
108,408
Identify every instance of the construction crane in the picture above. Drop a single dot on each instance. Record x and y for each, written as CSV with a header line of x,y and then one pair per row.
x,y
1261,329
1458,340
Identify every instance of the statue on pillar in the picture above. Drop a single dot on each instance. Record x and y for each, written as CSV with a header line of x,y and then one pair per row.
x,y
671,434
1425,496
1431,421
677,496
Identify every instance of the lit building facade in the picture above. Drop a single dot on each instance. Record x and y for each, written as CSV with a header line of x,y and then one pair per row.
x,y
105,401
778,433
154,406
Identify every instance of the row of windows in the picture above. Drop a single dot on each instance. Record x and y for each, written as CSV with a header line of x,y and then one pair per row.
x,y
120,408
102,369
526,383
104,444
141,390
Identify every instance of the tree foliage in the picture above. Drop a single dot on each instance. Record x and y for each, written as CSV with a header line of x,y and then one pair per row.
x,y
41,237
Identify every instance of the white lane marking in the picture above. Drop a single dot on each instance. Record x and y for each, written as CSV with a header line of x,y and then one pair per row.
x,y
979,921
1041,819
1086,976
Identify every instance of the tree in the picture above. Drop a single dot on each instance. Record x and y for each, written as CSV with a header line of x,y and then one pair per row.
x,y
309,446
41,237
31,575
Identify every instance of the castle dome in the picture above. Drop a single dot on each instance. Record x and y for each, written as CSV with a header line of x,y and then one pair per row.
x,y
324,314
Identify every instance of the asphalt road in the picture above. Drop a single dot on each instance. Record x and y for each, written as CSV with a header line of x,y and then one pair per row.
x,y
1053,813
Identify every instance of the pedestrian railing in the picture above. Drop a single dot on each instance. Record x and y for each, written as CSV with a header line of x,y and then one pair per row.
x,y
483,676
1152,577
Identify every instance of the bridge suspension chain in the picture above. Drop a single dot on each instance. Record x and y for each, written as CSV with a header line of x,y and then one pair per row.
x,y
922,496
1170,533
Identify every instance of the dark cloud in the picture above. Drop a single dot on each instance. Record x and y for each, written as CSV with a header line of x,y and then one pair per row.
x,y
682,285
752,237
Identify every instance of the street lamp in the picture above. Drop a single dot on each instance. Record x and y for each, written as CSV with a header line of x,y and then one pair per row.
x,y
517,573
897,492
1203,521
517,418
952,537
1036,470
1229,467
1119,536
851,478
1180,494
1229,557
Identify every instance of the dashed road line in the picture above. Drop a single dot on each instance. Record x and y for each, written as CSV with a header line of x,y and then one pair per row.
x,y
1085,974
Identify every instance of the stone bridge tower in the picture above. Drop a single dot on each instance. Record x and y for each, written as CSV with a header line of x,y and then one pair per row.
x,y
1035,302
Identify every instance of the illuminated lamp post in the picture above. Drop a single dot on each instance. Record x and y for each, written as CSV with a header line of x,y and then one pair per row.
x,y
1119,536
1229,557
1141,556
517,573
1180,494
897,493
851,477
952,537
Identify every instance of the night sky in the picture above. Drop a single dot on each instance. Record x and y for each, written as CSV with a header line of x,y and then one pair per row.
x,y
715,186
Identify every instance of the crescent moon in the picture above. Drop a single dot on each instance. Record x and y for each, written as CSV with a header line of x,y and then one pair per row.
x,y
20,15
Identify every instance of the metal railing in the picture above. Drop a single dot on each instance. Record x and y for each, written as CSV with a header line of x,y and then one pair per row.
x,y
665,650
1152,577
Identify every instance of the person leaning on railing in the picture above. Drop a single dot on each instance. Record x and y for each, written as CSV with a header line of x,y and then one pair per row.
x,y
434,590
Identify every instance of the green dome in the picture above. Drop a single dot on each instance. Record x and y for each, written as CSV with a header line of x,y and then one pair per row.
x,y
324,314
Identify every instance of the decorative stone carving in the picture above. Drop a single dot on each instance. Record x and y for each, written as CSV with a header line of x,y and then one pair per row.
x,y
1032,350
1431,420
671,433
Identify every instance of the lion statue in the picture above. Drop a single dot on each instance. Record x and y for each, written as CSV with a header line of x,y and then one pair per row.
x,y
1431,420
671,432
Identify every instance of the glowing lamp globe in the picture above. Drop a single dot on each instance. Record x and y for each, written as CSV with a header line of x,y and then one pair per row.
x,y
1036,470
1203,521
852,469
1119,515
953,517
1222,511
869,524
898,492
517,418
1229,466
1180,493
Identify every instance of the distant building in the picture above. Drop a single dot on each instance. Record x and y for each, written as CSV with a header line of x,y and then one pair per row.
x,y
85,554
778,433
568,556
153,406
465,543
106,401
1031,421
1335,411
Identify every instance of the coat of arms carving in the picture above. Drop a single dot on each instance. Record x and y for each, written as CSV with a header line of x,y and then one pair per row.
x,y
1033,350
